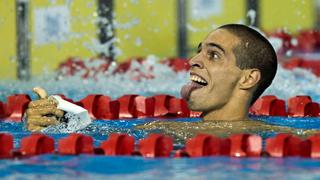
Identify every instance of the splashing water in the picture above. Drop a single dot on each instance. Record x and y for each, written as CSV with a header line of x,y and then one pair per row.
x,y
166,81
252,16
287,83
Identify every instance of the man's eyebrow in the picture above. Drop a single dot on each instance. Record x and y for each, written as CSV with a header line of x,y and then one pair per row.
x,y
216,45
199,46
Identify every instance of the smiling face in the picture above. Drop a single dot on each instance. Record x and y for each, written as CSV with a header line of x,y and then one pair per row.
x,y
214,74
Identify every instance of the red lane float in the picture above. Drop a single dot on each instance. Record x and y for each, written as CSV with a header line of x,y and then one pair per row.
x,y
6,145
144,106
16,106
177,64
195,114
245,145
90,69
98,65
179,108
127,106
238,145
302,106
135,72
126,65
90,103
268,106
156,145
225,146
304,41
73,66
203,145
118,144
162,105
310,148
283,145
37,144
286,41
312,65
106,109
308,40
2,110
76,144
292,63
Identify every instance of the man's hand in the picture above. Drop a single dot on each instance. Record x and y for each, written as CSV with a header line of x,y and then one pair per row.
x,y
43,112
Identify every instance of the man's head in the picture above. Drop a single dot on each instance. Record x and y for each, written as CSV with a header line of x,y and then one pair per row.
x,y
234,65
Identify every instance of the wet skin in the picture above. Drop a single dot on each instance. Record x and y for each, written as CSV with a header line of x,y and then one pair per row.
x,y
224,94
182,131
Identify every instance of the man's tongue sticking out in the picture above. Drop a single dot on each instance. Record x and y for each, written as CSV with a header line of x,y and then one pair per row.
x,y
187,89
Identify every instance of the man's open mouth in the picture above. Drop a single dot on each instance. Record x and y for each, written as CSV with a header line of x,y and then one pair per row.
x,y
198,79
197,82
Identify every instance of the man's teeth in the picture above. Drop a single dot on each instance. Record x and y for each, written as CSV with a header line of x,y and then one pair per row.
x,y
197,79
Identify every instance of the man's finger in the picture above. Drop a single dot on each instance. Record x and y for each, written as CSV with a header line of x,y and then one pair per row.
x,y
40,92
42,121
59,113
42,103
34,128
45,111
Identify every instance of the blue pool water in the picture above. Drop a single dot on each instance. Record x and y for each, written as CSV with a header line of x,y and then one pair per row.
x,y
102,167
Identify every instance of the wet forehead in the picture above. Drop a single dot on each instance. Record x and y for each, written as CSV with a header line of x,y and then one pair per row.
x,y
223,38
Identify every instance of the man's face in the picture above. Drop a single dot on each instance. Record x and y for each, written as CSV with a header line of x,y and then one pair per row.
x,y
214,75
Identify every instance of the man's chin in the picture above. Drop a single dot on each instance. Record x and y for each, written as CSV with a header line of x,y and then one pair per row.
x,y
193,106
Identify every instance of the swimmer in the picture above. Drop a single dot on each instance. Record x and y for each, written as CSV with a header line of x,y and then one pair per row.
x,y
232,68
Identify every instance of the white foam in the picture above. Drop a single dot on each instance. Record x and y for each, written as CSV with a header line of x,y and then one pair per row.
x,y
286,84
78,117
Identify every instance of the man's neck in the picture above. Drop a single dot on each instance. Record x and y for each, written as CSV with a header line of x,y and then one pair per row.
x,y
229,112
222,116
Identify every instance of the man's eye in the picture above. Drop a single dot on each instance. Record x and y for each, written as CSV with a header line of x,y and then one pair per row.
x,y
213,55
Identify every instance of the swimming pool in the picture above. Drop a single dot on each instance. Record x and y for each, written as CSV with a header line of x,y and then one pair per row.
x,y
97,166
135,167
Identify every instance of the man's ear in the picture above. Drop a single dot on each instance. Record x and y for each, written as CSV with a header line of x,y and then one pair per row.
x,y
250,78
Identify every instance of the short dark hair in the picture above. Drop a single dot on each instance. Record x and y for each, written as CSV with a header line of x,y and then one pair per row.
x,y
254,51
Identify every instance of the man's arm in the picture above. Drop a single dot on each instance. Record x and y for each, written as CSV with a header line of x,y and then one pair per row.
x,y
53,110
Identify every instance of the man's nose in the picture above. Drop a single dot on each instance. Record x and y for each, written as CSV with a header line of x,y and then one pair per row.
x,y
196,61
